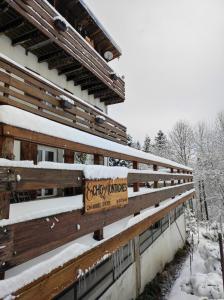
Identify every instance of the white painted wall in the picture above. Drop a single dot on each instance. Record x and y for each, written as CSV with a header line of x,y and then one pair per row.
x,y
17,53
162,251
124,288
153,261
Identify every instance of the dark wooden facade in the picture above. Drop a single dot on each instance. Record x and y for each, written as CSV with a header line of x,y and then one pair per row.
x,y
31,25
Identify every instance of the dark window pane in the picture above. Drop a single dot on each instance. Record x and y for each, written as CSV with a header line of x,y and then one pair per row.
x,y
49,156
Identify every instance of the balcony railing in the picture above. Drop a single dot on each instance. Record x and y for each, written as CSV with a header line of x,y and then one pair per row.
x,y
24,89
20,232
31,25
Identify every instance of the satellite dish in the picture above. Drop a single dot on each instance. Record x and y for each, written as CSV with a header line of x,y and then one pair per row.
x,y
108,55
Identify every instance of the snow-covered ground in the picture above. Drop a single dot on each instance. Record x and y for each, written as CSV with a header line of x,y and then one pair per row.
x,y
201,276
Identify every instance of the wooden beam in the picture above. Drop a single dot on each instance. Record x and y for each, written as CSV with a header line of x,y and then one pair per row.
x,y
27,243
70,69
60,63
49,286
33,178
78,75
43,139
90,85
49,56
29,151
155,168
96,87
98,234
12,25
39,45
6,147
135,184
25,37
103,93
4,205
92,92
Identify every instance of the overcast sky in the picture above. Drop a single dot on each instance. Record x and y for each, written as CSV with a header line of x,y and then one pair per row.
x,y
173,60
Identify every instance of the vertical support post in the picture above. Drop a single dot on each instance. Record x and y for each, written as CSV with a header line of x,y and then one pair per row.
x,y
69,158
135,184
6,147
29,151
4,205
98,234
221,256
179,181
155,168
137,265
155,185
184,181
172,181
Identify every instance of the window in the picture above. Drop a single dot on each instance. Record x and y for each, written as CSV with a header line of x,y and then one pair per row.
x,y
47,154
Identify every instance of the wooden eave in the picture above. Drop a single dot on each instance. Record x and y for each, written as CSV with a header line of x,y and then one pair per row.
x,y
77,12
30,24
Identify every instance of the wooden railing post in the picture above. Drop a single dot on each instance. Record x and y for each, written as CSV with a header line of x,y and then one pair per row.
x,y
179,181
98,234
184,181
155,168
172,181
69,158
29,151
4,205
6,147
135,184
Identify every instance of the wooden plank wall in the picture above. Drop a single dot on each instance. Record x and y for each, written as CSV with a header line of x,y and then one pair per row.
x,y
26,91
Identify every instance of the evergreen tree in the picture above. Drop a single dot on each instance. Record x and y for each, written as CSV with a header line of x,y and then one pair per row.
x,y
138,145
147,144
160,146
130,140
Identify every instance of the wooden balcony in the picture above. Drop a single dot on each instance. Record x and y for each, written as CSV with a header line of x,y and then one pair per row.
x,y
24,89
21,239
20,233
31,25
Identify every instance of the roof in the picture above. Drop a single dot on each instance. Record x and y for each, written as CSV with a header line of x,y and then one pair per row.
x,y
80,16
101,27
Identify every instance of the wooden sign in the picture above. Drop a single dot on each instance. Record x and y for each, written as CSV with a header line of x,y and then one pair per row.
x,y
105,194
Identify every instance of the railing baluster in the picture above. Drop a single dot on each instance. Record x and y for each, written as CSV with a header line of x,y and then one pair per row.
x,y
155,168
98,234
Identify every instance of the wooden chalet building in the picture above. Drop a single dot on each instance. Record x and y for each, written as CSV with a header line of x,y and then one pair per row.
x,y
70,230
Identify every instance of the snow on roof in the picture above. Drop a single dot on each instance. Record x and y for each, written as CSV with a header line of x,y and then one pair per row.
x,y
16,117
99,24
30,271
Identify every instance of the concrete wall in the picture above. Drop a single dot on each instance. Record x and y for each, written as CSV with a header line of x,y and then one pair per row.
x,y
162,251
153,261
17,53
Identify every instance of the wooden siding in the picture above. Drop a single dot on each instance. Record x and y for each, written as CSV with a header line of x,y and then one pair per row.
x,y
31,25
27,91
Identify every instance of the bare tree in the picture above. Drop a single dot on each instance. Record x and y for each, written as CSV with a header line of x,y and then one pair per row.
x,y
182,141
